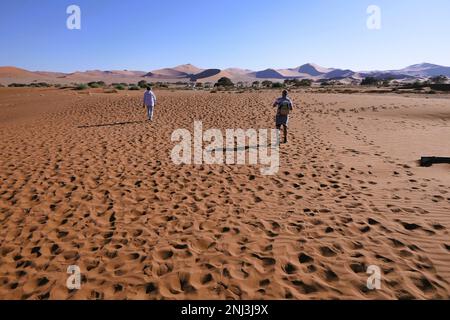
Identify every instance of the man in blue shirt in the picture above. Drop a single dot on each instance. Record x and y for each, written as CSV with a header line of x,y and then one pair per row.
x,y
284,108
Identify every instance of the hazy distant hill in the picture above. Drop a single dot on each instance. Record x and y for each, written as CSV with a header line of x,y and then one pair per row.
x,y
425,70
267,74
189,72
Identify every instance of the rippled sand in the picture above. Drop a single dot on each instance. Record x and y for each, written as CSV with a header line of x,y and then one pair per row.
x,y
86,181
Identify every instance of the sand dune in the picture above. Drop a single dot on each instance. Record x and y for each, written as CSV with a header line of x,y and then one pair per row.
x,y
189,72
167,73
188,69
13,72
86,181
212,75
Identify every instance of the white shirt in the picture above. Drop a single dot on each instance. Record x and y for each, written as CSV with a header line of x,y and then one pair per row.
x,y
149,98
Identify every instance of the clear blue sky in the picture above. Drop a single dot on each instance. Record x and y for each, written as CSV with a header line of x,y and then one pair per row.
x,y
255,34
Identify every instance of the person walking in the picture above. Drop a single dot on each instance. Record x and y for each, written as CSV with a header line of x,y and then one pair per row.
x,y
284,108
149,102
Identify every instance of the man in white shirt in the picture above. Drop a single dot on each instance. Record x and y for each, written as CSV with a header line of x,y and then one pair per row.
x,y
149,102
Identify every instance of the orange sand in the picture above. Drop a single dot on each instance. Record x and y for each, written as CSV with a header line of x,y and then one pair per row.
x,y
86,181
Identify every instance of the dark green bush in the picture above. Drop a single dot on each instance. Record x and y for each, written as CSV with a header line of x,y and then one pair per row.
x,y
304,83
40,85
267,84
440,87
224,82
370,81
81,86
142,84
17,85
439,80
277,85
119,87
94,84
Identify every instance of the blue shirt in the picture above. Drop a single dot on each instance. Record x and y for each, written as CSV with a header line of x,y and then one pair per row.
x,y
280,100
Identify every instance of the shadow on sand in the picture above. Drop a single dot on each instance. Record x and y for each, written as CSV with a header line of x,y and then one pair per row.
x,y
110,124
245,148
429,161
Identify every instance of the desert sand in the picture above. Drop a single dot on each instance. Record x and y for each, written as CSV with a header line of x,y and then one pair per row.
x,y
86,181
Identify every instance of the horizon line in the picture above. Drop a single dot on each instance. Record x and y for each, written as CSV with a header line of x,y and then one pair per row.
x,y
186,64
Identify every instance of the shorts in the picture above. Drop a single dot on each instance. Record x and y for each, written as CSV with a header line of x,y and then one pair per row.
x,y
281,121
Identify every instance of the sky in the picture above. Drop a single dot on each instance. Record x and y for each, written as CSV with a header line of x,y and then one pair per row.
x,y
252,34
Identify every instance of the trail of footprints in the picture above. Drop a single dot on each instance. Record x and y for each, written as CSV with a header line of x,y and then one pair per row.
x,y
140,228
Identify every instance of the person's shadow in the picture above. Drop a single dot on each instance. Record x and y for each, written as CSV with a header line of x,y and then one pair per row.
x,y
244,148
111,124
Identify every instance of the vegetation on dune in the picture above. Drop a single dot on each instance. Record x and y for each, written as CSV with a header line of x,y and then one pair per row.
x,y
277,85
439,79
142,84
30,85
93,85
119,87
267,84
419,85
161,85
440,86
97,84
298,82
17,85
40,85
373,81
224,82
153,84
386,82
81,86
370,81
